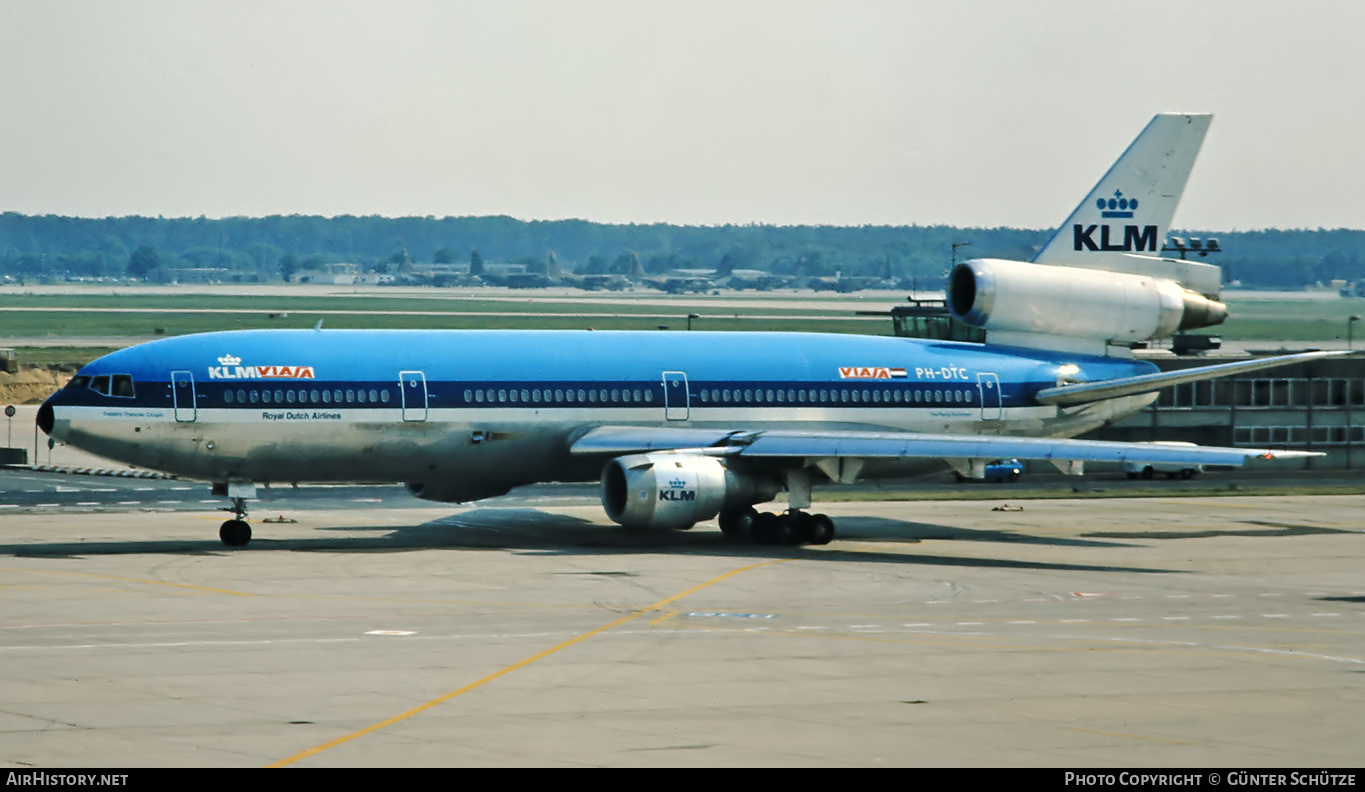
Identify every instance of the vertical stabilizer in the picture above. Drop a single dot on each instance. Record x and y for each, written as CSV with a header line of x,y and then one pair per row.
x,y
1128,214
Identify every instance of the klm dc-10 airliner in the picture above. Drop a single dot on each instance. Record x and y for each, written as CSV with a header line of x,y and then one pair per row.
x,y
685,427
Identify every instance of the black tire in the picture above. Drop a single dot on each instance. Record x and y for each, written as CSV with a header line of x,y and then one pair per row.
x,y
1148,472
817,529
235,533
1132,475
738,524
765,528
1014,477
1187,473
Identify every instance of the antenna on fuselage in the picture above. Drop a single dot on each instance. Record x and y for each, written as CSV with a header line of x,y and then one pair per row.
x,y
318,326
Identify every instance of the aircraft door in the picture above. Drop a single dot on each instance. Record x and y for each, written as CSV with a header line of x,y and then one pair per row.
x,y
413,386
989,386
182,396
676,403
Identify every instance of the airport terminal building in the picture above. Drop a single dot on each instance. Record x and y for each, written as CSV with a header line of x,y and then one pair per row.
x,y
1317,406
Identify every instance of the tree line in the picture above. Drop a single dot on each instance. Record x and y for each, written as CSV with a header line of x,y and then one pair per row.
x,y
243,249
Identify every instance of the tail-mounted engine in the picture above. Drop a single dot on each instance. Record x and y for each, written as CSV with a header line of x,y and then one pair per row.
x,y
676,490
1116,307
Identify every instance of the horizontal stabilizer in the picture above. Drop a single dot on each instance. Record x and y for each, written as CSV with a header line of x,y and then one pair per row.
x,y
1087,392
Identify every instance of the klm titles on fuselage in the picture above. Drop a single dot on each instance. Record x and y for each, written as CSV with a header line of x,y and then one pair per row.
x,y
1135,238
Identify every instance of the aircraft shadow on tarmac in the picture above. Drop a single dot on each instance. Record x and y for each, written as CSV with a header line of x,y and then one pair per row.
x,y
1262,530
531,531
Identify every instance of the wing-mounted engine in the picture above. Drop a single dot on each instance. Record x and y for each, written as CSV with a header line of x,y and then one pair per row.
x,y
1072,308
676,490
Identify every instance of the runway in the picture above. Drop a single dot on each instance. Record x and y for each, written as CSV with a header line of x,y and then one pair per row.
x,y
1213,631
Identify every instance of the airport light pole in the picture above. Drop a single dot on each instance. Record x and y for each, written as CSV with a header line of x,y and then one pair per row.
x,y
690,317
1350,325
957,245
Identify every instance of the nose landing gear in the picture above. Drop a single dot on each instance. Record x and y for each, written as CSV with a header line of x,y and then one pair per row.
x,y
235,532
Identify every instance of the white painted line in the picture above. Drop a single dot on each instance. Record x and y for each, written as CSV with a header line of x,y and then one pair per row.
x,y
391,632
1275,615
1326,614
1127,619
1227,617
1176,618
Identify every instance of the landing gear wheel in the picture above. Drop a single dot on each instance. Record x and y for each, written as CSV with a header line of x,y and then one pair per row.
x,y
817,529
738,524
776,529
235,533
1148,472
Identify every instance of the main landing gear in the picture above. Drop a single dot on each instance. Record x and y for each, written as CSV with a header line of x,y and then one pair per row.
x,y
792,527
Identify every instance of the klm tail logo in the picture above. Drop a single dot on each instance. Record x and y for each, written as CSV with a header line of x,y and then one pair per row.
x,y
1118,206
1135,238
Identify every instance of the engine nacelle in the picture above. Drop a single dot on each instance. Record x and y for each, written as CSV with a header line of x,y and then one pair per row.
x,y
1014,296
676,490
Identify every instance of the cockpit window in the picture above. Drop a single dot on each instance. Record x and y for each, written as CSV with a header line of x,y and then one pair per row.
x,y
122,386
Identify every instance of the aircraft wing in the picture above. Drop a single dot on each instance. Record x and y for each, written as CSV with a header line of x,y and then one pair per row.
x,y
1086,392
789,443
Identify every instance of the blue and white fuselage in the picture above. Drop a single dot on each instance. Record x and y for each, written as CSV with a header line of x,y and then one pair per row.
x,y
474,413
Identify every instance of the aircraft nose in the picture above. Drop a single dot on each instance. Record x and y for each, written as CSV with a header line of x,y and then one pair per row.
x,y
45,417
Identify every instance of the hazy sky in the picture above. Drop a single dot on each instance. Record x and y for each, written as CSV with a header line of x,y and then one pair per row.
x,y
986,113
